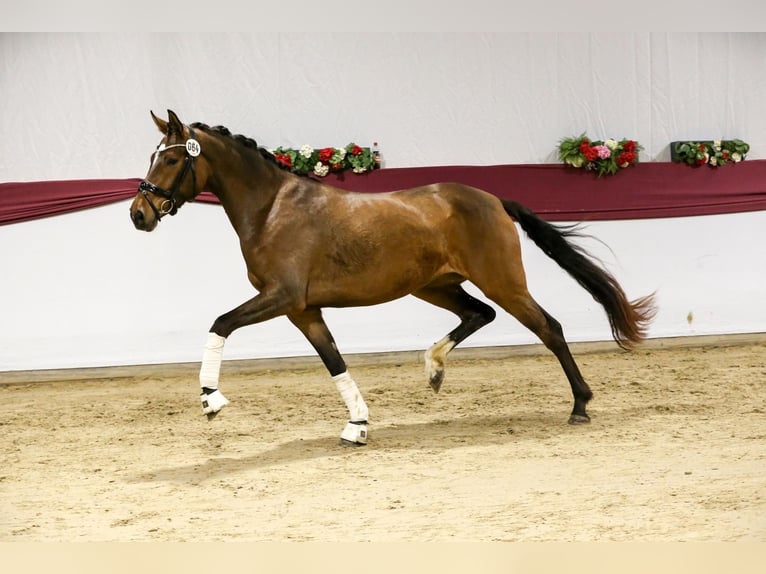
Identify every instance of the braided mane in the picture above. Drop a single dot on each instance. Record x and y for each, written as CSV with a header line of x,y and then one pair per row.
x,y
240,139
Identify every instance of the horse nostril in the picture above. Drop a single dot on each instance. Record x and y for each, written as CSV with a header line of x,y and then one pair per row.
x,y
138,217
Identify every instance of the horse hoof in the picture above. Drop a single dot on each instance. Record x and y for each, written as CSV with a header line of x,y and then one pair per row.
x,y
348,443
355,434
436,380
212,402
579,419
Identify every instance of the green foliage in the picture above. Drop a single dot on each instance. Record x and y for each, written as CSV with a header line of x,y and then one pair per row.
x,y
321,161
714,153
603,157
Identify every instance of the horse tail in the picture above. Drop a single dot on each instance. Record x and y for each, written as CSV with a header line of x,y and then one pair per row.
x,y
628,320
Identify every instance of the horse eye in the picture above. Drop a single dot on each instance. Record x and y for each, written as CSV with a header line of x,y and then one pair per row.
x,y
171,161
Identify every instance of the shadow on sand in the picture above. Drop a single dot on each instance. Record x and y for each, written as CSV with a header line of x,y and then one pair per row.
x,y
433,436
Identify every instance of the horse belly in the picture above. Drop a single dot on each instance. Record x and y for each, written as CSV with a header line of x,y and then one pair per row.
x,y
378,281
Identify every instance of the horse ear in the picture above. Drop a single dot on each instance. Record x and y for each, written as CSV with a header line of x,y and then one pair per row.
x,y
174,124
161,124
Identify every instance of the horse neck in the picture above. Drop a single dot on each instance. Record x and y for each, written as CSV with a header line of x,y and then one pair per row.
x,y
246,184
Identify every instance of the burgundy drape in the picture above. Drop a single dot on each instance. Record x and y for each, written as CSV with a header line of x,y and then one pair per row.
x,y
556,192
32,200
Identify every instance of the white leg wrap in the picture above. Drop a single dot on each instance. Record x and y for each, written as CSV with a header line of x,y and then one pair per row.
x,y
209,373
357,408
211,361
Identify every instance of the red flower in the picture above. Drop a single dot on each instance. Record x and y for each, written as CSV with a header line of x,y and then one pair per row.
x,y
336,166
702,148
590,153
701,161
325,154
626,158
725,154
284,159
356,150
629,146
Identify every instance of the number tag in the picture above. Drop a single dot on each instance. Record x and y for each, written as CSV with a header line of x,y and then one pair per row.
x,y
193,148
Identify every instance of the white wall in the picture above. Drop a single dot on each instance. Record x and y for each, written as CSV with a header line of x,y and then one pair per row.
x,y
78,105
85,289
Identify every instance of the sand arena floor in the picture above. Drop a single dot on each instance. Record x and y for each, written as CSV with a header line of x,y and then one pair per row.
x,y
676,450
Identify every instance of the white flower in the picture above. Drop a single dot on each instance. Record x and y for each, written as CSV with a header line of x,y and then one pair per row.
x,y
360,169
306,151
736,157
611,144
713,161
320,169
717,144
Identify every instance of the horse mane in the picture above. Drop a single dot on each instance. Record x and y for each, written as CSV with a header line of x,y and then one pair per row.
x,y
244,141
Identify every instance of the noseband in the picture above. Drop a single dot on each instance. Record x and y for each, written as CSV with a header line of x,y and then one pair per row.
x,y
169,205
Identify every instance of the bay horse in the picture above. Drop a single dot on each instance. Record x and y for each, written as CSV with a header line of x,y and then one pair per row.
x,y
308,245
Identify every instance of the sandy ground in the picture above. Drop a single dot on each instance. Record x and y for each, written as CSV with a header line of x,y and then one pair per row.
x,y
676,452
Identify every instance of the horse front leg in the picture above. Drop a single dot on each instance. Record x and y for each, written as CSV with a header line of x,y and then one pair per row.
x,y
313,327
262,307
212,399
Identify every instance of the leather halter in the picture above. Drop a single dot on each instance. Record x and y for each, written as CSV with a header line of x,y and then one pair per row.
x,y
169,205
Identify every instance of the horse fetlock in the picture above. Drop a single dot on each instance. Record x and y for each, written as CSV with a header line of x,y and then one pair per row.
x,y
434,370
354,434
212,401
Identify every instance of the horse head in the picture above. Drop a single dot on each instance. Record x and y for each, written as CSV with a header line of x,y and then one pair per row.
x,y
172,177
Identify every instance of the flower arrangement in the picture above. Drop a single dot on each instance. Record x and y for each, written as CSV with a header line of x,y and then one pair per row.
x,y
322,161
604,157
713,153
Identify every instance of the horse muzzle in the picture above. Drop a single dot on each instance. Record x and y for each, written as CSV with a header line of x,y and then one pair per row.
x,y
141,220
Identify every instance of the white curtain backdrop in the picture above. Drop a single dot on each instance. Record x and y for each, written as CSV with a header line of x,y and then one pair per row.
x,y
86,289
77,105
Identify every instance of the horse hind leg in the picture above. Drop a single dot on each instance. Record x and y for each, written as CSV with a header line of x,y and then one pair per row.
x,y
549,330
473,314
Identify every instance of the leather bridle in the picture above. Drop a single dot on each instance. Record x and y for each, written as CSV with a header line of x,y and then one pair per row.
x,y
169,205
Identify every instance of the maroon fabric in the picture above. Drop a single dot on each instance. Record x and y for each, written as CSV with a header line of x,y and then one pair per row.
x,y
560,193
554,191
32,200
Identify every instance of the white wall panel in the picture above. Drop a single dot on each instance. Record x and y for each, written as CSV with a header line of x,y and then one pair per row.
x,y
77,105
86,289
